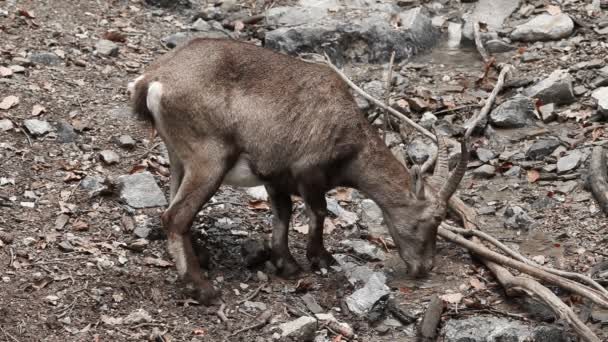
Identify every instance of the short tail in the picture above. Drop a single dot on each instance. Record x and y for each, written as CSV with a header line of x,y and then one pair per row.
x,y
138,90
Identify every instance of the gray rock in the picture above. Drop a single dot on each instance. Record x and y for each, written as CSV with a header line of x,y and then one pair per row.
x,y
547,112
579,90
557,88
569,162
170,3
137,317
255,252
371,212
296,15
201,25
544,27
140,190
363,299
358,35
492,12
514,113
180,38
65,132
6,125
126,141
485,155
106,48
529,57
45,58
37,127
109,157
66,246
92,183
600,95
517,218
255,305
301,329
484,171
541,148
311,304
427,120
354,272
499,329
143,229
419,150
566,187
498,46
515,171
365,249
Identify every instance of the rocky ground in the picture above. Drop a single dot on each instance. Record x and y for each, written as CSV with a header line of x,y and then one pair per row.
x,y
82,184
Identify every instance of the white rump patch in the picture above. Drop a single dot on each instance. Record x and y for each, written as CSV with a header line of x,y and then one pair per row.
x,y
132,84
241,175
155,93
176,249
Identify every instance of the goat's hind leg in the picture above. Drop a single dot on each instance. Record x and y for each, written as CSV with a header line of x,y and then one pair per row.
x,y
286,266
203,174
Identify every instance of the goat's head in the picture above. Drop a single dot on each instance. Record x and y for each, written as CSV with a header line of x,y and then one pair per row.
x,y
414,226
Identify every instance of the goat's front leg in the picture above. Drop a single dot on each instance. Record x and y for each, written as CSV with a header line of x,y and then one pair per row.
x,y
281,258
203,175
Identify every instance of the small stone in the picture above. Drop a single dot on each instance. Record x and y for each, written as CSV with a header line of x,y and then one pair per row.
x,y
109,157
547,112
487,210
6,125
137,317
544,27
363,299
5,72
365,249
142,231
257,193
17,69
29,241
579,90
106,48
45,58
514,113
569,162
557,88
65,132
301,329
498,46
600,95
566,187
65,246
484,172
255,252
484,155
428,120
517,218
254,305
541,148
140,190
138,245
262,277
529,57
311,304
91,183
37,127
526,10
126,141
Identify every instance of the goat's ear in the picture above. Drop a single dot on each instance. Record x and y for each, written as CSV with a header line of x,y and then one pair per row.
x,y
416,182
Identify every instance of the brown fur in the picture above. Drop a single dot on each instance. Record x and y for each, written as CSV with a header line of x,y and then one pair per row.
x,y
301,131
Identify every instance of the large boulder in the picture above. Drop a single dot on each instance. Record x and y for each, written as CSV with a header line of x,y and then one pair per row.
x,y
544,27
557,88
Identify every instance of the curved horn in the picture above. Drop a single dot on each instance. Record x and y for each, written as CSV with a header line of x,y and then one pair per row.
x,y
451,184
442,167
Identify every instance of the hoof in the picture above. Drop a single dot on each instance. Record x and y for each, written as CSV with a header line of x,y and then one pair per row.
x,y
321,260
206,294
286,267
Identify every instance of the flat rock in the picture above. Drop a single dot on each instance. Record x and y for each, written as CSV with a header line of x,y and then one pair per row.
x,y
569,162
301,329
498,329
364,298
517,218
360,32
170,3
365,249
109,157
140,190
484,171
547,112
92,183
514,113
485,155
65,132
257,193
312,304
126,141
542,148
37,127
106,48
557,88
492,12
254,305
498,46
600,95
544,27
6,125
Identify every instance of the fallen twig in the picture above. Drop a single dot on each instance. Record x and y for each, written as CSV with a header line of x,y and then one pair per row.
x,y
261,321
597,177
389,77
220,313
430,321
252,295
479,44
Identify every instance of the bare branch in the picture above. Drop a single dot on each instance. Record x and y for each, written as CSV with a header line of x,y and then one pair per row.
x,y
389,78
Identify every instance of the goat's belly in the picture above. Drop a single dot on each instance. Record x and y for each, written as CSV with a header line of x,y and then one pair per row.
x,y
242,175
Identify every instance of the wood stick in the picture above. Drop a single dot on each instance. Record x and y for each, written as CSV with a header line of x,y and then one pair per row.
x,y
261,321
389,78
597,177
479,44
430,321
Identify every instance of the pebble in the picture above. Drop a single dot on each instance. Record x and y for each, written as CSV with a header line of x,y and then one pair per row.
x,y
6,125
37,127
140,190
569,162
106,48
109,157
126,141
484,172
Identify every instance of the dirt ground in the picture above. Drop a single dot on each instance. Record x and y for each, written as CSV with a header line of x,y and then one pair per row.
x,y
71,281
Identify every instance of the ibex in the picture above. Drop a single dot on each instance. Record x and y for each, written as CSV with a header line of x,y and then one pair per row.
x,y
234,113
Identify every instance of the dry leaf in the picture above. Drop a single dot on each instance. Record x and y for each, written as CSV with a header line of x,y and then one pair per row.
x,y
533,176
303,229
452,298
9,102
475,283
258,205
554,10
37,110
138,168
157,262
